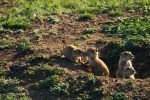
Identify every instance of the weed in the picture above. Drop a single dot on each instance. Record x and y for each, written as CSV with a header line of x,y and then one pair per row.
x,y
36,37
43,71
10,86
3,63
53,85
4,1
130,27
109,29
119,96
138,43
19,67
84,37
128,85
5,44
85,17
13,22
52,32
115,12
86,87
25,46
112,51
88,31
53,19
101,42
14,96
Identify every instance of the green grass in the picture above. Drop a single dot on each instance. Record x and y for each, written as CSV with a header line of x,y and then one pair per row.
x,y
25,46
5,44
85,17
129,27
88,31
22,12
3,63
15,22
119,96
9,90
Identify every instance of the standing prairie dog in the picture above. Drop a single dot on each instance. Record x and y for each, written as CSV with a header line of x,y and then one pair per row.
x,y
128,72
73,53
124,61
98,67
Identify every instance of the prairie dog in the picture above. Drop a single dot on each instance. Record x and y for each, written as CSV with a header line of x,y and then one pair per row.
x,y
124,61
73,53
128,72
98,67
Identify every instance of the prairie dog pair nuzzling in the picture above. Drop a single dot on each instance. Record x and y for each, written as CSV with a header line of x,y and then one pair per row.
x,y
96,65
73,53
125,68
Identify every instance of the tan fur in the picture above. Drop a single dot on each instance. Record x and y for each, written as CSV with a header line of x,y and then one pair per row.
x,y
73,53
124,61
98,67
128,72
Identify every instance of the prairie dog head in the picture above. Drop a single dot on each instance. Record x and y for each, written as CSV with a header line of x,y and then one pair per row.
x,y
92,52
126,55
128,71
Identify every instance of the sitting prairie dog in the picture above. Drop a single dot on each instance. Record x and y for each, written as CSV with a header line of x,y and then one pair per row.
x,y
97,66
124,61
73,53
128,72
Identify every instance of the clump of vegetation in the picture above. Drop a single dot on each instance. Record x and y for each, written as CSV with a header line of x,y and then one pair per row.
x,y
85,17
112,50
14,22
36,37
25,46
43,71
138,43
119,96
86,87
88,31
53,85
2,63
14,96
5,44
129,27
53,19
4,1
52,32
52,80
115,12
9,90
84,37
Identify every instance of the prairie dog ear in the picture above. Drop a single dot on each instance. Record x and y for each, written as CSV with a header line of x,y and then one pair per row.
x,y
121,55
84,49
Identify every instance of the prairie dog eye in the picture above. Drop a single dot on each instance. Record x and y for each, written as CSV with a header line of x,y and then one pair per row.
x,y
125,54
92,51
127,68
78,51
